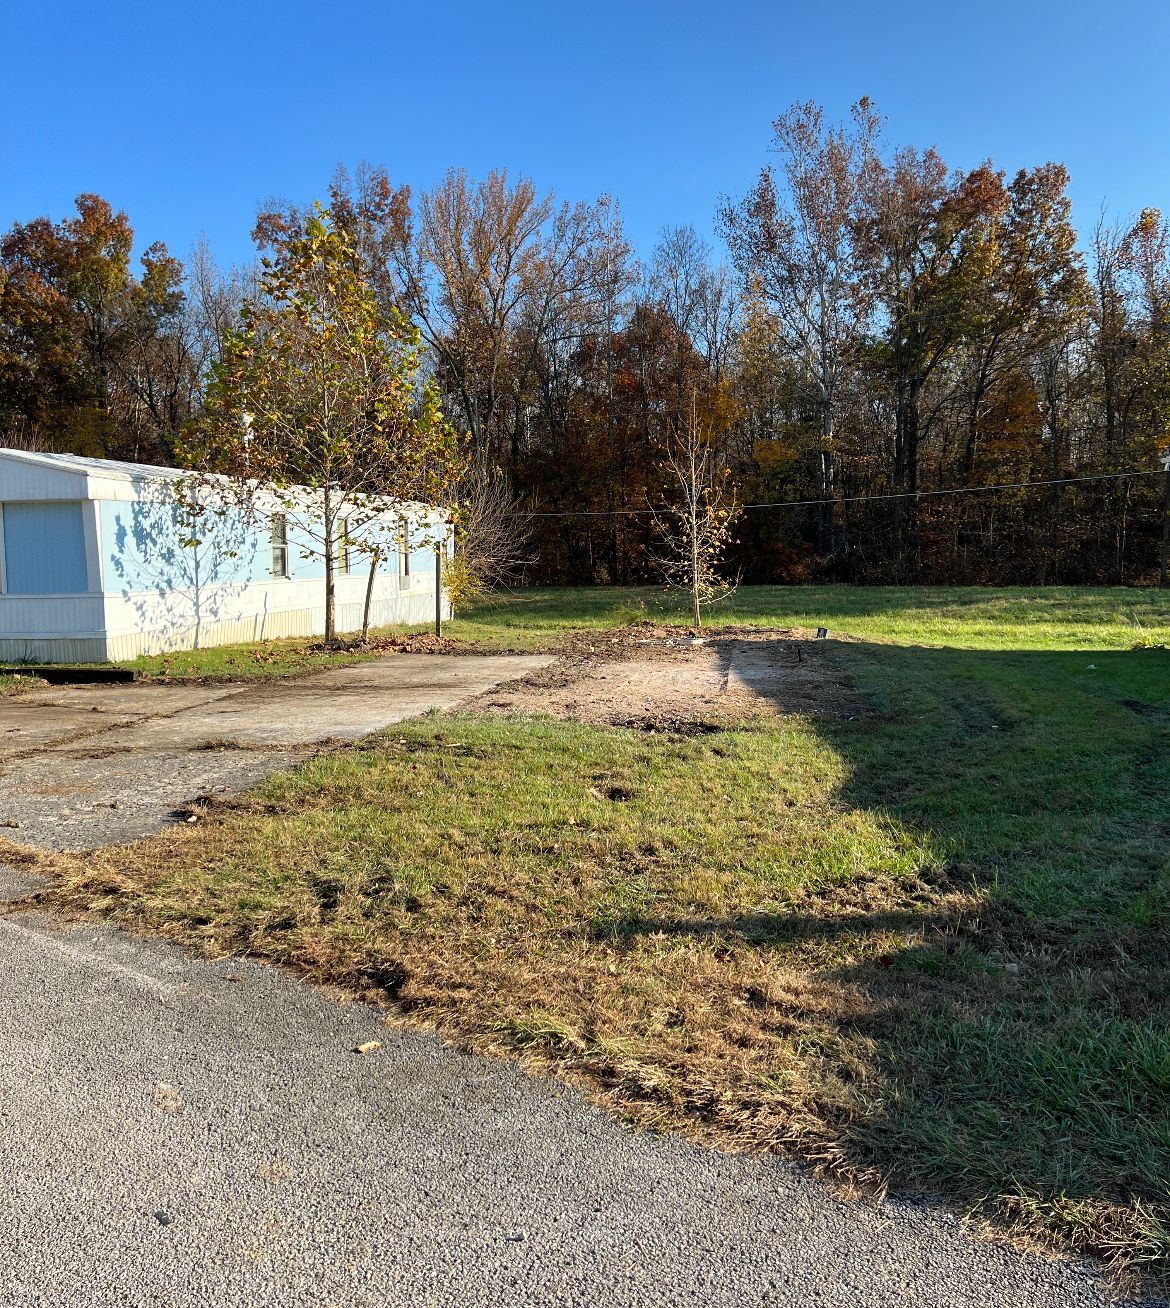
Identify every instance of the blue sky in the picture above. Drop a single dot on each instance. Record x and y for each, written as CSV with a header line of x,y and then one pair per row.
x,y
188,116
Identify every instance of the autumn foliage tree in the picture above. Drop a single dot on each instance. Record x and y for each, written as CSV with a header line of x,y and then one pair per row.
x,y
793,243
92,356
890,338
318,403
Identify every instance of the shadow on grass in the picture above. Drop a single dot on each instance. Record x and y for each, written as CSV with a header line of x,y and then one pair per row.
x,y
1022,1046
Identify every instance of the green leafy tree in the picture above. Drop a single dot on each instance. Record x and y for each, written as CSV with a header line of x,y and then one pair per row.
x,y
317,407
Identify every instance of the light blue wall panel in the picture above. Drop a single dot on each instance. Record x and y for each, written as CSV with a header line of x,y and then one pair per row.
x,y
145,548
422,560
422,550
44,549
304,559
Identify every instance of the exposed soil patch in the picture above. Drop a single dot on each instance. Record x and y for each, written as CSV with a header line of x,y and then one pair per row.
x,y
658,679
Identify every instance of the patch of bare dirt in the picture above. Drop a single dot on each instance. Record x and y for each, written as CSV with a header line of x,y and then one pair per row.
x,y
660,679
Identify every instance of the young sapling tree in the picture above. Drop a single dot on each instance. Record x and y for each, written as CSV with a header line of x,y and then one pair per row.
x,y
317,409
694,522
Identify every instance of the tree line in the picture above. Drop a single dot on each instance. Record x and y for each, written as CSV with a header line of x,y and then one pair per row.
x,y
881,329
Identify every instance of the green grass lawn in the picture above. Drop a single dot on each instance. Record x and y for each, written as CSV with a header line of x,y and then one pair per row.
x,y
925,941
963,617
1037,618
266,661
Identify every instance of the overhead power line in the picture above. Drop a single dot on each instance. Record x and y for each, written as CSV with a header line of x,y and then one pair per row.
x,y
860,499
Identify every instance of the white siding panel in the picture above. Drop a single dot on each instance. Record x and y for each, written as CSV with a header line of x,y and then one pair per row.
x,y
51,615
30,481
52,629
93,628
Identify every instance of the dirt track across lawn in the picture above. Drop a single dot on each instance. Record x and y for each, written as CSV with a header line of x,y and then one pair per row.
x,y
660,679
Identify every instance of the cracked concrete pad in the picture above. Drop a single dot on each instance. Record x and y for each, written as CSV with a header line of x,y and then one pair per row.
x,y
97,765
41,727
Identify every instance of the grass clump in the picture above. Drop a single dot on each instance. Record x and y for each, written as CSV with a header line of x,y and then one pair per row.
x,y
17,682
260,661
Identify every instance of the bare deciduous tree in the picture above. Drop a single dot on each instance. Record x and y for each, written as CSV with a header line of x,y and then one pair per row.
x,y
792,242
694,523
496,276
494,534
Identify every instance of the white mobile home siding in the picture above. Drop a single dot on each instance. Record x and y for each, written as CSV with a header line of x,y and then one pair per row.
x,y
99,569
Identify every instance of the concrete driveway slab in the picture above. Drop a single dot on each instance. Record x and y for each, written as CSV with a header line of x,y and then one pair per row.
x,y
94,765
29,728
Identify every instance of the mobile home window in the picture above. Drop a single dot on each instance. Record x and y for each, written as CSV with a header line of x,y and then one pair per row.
x,y
279,533
404,545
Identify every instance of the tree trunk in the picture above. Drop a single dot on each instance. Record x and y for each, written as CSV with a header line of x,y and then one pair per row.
x,y
826,524
1164,560
824,483
330,596
377,558
696,614
1123,533
906,477
614,566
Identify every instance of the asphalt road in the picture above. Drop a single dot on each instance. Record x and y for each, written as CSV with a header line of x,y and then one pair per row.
x,y
176,1132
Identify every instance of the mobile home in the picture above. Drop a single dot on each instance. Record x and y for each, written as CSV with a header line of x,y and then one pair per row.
x,y
101,561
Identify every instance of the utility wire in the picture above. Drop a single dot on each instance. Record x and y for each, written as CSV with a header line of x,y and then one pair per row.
x,y
860,499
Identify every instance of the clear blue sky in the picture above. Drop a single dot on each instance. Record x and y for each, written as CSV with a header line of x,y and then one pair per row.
x,y
189,115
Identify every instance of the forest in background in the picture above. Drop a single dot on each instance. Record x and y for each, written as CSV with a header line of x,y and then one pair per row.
x,y
879,328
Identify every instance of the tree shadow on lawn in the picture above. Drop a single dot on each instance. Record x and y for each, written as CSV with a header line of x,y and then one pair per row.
x,y
1016,1019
